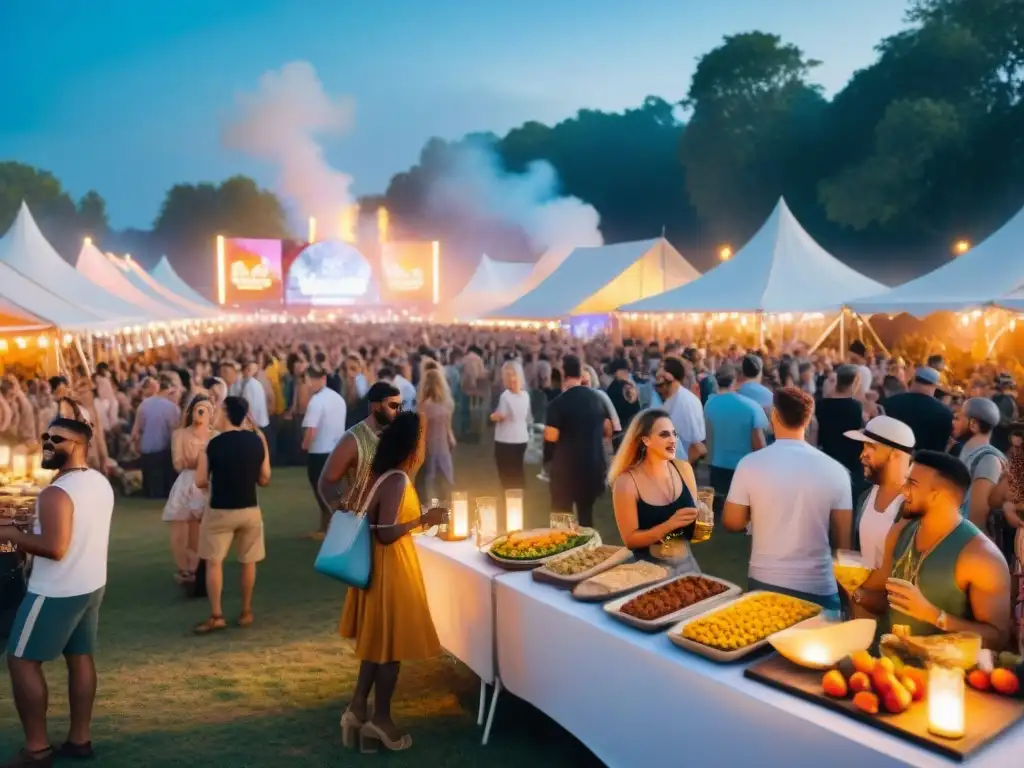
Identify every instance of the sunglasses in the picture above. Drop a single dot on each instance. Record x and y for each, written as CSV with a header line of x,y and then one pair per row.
x,y
56,439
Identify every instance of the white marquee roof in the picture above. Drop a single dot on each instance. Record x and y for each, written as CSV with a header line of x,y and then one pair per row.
x,y
25,250
142,281
494,284
781,269
164,274
94,265
598,279
14,319
989,271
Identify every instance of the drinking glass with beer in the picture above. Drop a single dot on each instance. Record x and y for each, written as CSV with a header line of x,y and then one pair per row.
x,y
705,522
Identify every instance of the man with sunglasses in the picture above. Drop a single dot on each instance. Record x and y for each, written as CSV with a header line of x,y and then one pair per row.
x,y
352,456
60,613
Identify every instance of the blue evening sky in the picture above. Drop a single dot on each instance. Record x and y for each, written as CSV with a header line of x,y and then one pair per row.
x,y
127,97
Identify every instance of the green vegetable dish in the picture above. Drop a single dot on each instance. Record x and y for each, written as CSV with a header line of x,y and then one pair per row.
x,y
534,546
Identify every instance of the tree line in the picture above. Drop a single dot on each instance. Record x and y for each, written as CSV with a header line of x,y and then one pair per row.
x,y
922,147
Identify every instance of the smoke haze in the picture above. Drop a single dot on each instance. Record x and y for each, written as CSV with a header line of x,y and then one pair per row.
x,y
281,123
475,189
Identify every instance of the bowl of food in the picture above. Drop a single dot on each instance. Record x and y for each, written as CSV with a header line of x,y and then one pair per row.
x,y
824,646
523,550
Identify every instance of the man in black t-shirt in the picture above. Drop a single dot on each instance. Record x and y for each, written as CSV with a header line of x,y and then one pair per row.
x,y
930,419
623,394
236,461
577,424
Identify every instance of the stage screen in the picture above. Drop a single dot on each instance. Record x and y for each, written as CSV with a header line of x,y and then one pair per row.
x,y
408,270
330,273
252,271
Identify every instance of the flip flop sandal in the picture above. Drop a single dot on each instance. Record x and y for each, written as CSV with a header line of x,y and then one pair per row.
x,y
212,624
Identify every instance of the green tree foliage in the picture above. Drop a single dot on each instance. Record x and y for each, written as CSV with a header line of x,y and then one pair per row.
x,y
751,133
192,215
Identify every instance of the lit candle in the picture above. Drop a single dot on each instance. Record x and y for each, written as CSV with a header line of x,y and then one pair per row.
x,y
5,456
19,465
487,517
37,463
513,510
946,701
459,523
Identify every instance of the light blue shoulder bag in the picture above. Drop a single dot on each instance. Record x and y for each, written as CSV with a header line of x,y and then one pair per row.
x,y
347,552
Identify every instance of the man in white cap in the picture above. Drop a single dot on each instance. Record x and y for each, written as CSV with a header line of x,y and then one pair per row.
x,y
885,456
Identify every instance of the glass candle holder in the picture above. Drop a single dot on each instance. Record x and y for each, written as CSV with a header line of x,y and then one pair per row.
x,y
5,456
487,518
946,708
19,465
458,522
513,510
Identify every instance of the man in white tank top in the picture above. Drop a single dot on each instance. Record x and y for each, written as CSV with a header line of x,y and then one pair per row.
x,y
60,613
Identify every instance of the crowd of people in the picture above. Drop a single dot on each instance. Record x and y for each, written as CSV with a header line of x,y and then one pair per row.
x,y
806,452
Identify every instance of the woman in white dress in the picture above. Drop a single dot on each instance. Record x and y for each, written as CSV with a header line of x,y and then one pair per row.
x,y
184,508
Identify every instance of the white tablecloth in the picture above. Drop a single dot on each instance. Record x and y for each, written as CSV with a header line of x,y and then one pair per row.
x,y
636,700
460,591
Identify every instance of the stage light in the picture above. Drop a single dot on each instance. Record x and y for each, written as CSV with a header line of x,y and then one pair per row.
x,y
725,252
383,224
436,265
221,286
312,230
960,247
88,241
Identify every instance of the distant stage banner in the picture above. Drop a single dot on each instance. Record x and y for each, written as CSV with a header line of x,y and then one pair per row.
x,y
330,273
409,272
251,271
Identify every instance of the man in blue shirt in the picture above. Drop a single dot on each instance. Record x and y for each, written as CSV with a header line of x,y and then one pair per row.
x,y
735,427
751,370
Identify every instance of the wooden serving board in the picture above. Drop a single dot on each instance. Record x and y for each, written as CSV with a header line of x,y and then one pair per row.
x,y
987,714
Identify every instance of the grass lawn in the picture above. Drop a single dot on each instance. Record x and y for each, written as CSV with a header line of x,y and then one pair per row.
x,y
271,695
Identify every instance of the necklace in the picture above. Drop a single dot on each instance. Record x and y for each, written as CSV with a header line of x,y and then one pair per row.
x,y
671,485
909,564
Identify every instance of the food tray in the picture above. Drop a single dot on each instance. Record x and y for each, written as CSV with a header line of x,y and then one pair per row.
x,y
620,556
526,565
604,597
676,633
614,608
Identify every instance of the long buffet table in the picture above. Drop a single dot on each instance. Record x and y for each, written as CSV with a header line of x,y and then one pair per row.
x,y
634,698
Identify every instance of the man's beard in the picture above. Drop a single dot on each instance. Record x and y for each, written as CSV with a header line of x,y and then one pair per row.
x,y
874,474
911,513
382,418
57,461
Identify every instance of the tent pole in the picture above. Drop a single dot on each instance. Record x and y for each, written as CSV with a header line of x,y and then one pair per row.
x,y
874,336
760,330
825,334
991,343
842,330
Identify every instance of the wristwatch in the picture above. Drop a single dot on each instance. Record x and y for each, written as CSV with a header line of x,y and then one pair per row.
x,y
942,621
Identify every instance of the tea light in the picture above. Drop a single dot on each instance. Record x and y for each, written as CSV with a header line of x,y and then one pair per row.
x,y
36,460
487,517
5,456
513,510
458,525
19,465
946,701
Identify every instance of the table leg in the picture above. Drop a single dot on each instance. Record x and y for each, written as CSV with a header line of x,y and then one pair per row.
x,y
490,715
483,703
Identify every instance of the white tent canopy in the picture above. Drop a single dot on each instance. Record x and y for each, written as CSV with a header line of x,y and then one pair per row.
x,y
142,281
598,279
27,252
94,265
781,269
494,284
34,295
14,319
989,271
165,275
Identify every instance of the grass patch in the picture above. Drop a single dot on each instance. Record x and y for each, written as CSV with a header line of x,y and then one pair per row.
x,y
271,695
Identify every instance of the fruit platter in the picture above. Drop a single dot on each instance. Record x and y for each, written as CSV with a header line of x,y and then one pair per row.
x,y
576,565
620,580
740,627
523,550
891,694
657,607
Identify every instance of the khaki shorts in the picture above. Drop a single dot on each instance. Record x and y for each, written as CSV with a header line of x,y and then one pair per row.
x,y
220,528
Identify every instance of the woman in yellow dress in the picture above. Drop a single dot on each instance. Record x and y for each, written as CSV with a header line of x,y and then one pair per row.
x,y
390,619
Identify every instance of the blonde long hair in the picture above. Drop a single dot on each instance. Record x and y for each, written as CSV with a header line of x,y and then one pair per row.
x,y
517,367
434,389
632,449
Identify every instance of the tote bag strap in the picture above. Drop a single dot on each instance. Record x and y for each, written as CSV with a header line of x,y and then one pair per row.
x,y
373,490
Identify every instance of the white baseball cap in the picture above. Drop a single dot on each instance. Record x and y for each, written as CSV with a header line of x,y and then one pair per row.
x,y
885,430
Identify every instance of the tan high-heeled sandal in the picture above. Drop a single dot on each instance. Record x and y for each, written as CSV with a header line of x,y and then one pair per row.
x,y
371,738
350,728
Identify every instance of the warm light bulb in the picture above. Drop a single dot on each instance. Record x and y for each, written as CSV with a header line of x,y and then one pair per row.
x,y
960,247
725,252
